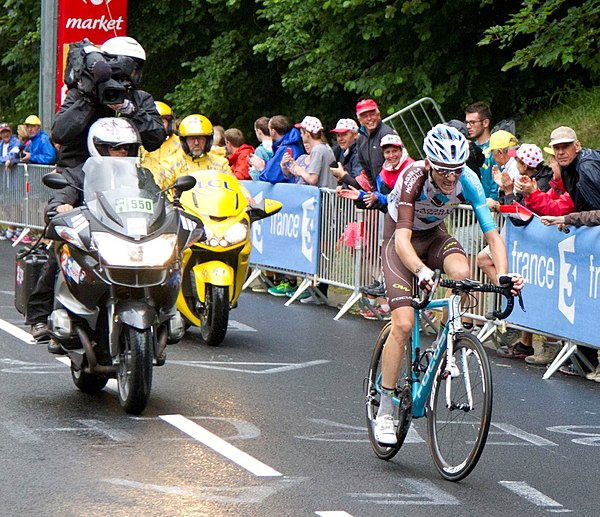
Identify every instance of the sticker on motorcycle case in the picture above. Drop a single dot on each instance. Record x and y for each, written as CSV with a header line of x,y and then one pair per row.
x,y
136,226
134,204
70,268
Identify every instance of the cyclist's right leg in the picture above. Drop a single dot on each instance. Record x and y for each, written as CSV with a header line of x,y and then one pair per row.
x,y
392,359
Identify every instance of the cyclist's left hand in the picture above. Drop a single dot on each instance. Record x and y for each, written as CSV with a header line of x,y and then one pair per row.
x,y
517,280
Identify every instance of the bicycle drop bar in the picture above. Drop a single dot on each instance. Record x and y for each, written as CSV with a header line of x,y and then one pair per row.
x,y
468,285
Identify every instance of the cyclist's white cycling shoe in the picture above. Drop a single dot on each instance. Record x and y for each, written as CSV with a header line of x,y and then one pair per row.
x,y
385,432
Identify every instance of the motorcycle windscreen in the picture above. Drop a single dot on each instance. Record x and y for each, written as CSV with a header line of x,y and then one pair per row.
x,y
119,192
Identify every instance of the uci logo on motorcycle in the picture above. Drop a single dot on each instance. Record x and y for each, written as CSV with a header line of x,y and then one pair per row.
x,y
215,269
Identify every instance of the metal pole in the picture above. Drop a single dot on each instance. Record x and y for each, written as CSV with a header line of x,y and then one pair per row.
x,y
48,37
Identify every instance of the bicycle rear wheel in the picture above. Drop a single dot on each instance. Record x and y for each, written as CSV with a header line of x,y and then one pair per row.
x,y
402,413
457,435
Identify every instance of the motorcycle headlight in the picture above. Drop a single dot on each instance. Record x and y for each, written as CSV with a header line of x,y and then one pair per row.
x,y
235,234
118,252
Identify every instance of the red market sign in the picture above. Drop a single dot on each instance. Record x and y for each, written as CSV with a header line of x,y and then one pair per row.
x,y
96,20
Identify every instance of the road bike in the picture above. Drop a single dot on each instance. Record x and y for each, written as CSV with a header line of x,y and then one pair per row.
x,y
450,383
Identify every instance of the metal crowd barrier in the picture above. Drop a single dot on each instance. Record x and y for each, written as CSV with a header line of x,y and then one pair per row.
x,y
23,195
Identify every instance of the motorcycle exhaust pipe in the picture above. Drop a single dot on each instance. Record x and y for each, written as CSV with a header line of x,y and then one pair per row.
x,y
91,355
161,345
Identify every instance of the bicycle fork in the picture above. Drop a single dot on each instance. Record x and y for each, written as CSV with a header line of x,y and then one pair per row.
x,y
452,371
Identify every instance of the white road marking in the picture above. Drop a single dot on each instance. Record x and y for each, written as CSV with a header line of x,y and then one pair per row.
x,y
333,514
422,493
231,366
220,494
522,489
16,332
519,433
220,446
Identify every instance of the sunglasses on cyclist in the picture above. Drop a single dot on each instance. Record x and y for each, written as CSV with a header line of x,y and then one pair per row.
x,y
446,171
117,147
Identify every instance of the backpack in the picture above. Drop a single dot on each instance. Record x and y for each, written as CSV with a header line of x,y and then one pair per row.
x,y
75,62
508,124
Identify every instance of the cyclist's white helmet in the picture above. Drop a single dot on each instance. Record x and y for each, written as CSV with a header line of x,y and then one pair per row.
x,y
112,131
445,145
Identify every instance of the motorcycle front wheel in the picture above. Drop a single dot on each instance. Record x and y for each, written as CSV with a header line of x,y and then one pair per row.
x,y
134,373
215,316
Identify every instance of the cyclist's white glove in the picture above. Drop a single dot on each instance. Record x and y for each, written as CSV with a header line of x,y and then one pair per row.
x,y
425,277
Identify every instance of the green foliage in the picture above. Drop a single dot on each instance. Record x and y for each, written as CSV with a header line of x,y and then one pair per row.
x,y
236,60
558,34
19,59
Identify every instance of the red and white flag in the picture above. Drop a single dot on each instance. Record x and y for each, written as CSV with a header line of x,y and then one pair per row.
x,y
517,211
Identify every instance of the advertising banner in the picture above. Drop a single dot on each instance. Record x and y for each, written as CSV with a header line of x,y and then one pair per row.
x,y
290,238
96,20
561,272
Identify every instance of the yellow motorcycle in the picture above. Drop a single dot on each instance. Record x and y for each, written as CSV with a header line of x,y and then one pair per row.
x,y
214,270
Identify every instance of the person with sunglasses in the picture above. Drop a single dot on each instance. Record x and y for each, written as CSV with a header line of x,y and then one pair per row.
x,y
416,242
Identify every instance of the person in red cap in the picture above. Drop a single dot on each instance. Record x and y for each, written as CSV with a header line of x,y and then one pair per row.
x,y
370,155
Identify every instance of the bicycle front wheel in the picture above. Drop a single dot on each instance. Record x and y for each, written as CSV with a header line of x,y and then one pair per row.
x,y
458,431
403,412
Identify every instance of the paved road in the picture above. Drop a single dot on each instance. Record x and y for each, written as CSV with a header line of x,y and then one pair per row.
x,y
272,423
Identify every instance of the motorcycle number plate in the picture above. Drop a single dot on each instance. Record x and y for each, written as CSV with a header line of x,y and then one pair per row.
x,y
134,204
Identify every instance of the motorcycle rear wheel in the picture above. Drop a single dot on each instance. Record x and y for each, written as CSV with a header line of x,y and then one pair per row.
x,y
87,382
214,318
134,373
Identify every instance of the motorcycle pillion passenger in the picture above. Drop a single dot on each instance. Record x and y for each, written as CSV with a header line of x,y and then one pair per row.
x,y
109,87
116,137
196,137
157,160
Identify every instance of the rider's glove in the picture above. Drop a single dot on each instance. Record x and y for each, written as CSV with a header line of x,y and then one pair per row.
x,y
127,108
425,277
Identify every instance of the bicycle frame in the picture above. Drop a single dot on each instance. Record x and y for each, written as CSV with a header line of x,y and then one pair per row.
x,y
421,387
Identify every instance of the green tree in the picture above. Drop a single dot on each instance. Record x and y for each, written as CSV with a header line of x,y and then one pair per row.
x,y
557,34
19,59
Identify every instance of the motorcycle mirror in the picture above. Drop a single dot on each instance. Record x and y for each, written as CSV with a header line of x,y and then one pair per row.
x,y
56,181
266,208
184,183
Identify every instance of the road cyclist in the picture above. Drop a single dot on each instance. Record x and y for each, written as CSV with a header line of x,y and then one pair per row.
x,y
451,384
416,242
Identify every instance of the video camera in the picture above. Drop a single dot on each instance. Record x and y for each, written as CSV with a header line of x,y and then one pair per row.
x,y
108,79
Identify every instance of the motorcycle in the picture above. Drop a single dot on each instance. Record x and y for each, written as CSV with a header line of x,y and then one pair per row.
x,y
119,257
214,270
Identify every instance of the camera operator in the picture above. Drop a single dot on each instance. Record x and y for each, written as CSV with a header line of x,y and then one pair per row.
x,y
108,87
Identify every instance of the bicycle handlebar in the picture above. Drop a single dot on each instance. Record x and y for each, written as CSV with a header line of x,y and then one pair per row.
x,y
467,286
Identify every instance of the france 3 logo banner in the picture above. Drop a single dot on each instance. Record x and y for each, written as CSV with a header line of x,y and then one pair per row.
x,y
290,238
561,273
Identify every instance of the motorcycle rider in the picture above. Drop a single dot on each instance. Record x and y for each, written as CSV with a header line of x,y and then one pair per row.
x,y
80,110
77,113
196,137
115,137
157,160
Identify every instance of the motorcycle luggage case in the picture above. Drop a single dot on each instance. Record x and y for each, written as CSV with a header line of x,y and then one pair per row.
x,y
27,272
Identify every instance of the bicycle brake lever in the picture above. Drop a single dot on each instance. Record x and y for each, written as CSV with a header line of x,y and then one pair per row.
x,y
521,304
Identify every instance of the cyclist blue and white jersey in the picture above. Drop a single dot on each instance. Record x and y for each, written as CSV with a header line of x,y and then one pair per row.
x,y
416,203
